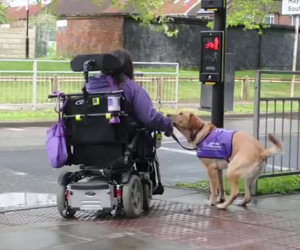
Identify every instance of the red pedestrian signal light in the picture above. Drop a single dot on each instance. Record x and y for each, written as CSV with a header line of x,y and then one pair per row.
x,y
213,45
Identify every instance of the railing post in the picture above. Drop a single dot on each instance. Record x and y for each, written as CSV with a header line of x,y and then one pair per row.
x,y
256,117
34,87
177,84
160,81
256,104
245,88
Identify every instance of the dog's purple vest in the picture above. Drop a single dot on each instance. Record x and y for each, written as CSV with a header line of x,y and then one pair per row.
x,y
218,144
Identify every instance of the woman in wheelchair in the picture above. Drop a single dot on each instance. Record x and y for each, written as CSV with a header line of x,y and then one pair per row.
x,y
118,166
139,105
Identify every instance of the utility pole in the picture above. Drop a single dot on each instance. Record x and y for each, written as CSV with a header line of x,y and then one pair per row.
x,y
293,8
294,66
27,35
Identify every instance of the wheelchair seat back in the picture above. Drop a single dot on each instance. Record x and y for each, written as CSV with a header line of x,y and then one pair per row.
x,y
91,138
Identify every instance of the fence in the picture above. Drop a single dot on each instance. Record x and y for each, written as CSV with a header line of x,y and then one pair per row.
x,y
279,116
30,88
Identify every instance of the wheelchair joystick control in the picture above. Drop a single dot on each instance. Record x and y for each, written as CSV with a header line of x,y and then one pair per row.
x,y
158,139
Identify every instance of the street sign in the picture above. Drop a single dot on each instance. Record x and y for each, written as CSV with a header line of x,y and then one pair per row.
x,y
290,7
211,68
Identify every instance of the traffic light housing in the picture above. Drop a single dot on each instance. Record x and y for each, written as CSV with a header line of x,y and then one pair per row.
x,y
212,56
212,4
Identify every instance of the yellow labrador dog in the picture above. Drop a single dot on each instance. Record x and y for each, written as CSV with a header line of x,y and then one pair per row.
x,y
246,157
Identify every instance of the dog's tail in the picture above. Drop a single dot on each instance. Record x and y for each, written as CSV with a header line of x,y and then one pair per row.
x,y
276,148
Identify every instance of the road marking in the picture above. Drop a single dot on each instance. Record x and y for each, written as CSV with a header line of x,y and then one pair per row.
x,y
16,129
179,151
20,173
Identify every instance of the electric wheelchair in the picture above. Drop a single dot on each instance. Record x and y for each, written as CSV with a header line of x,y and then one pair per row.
x,y
118,167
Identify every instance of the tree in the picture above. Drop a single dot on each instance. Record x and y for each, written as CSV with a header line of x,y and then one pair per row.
x,y
250,13
3,8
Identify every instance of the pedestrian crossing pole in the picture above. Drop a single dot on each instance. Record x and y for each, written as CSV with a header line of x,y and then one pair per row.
x,y
212,68
217,117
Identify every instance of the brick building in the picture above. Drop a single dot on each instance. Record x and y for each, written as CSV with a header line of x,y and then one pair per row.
x,y
89,28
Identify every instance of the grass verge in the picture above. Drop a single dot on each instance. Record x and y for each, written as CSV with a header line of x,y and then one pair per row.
x,y
272,185
39,115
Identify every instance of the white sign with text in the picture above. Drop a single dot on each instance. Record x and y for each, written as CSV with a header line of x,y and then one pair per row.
x,y
290,7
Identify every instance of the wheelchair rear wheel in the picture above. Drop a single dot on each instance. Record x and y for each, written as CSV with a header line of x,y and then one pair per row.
x,y
132,196
62,203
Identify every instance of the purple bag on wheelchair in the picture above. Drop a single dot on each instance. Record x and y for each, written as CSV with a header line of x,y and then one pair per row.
x,y
56,145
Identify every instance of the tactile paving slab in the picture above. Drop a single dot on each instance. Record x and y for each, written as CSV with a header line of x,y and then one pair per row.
x,y
195,225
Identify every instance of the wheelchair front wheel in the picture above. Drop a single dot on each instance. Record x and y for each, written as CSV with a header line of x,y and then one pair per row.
x,y
132,196
62,203
147,196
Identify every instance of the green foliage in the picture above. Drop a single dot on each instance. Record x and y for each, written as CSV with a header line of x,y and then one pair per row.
x,y
43,18
250,13
28,115
146,12
202,185
3,7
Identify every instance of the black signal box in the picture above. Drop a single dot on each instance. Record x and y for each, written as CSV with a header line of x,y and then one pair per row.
x,y
212,56
212,4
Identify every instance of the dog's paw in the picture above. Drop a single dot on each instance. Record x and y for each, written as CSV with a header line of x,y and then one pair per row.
x,y
211,203
221,206
241,203
220,199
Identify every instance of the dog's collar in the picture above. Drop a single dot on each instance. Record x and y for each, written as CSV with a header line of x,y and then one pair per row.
x,y
194,135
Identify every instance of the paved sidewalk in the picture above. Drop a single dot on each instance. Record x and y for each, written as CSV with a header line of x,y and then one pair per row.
x,y
178,220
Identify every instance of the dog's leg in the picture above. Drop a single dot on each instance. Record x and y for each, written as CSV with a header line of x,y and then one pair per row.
x,y
249,181
212,175
233,180
247,197
221,193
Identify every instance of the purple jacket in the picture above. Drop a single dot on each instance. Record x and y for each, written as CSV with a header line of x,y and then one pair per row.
x,y
139,102
218,145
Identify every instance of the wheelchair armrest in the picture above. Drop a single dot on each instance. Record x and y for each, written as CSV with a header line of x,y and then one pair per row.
x,y
132,145
135,125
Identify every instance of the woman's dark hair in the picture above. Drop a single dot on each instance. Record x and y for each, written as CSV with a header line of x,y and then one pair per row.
x,y
127,66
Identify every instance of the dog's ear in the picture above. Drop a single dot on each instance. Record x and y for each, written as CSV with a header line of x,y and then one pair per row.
x,y
194,121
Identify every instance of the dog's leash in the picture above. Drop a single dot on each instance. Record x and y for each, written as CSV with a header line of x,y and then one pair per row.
x,y
176,139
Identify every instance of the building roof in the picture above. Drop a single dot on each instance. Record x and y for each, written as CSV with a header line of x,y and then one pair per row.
x,y
70,8
20,12
86,8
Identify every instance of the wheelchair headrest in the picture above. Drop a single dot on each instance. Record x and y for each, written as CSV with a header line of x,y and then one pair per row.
x,y
96,62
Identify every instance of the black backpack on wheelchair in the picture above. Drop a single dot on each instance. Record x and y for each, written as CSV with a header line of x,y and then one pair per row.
x,y
118,167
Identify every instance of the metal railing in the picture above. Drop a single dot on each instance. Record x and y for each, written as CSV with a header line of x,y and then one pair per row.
x,y
21,88
279,116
